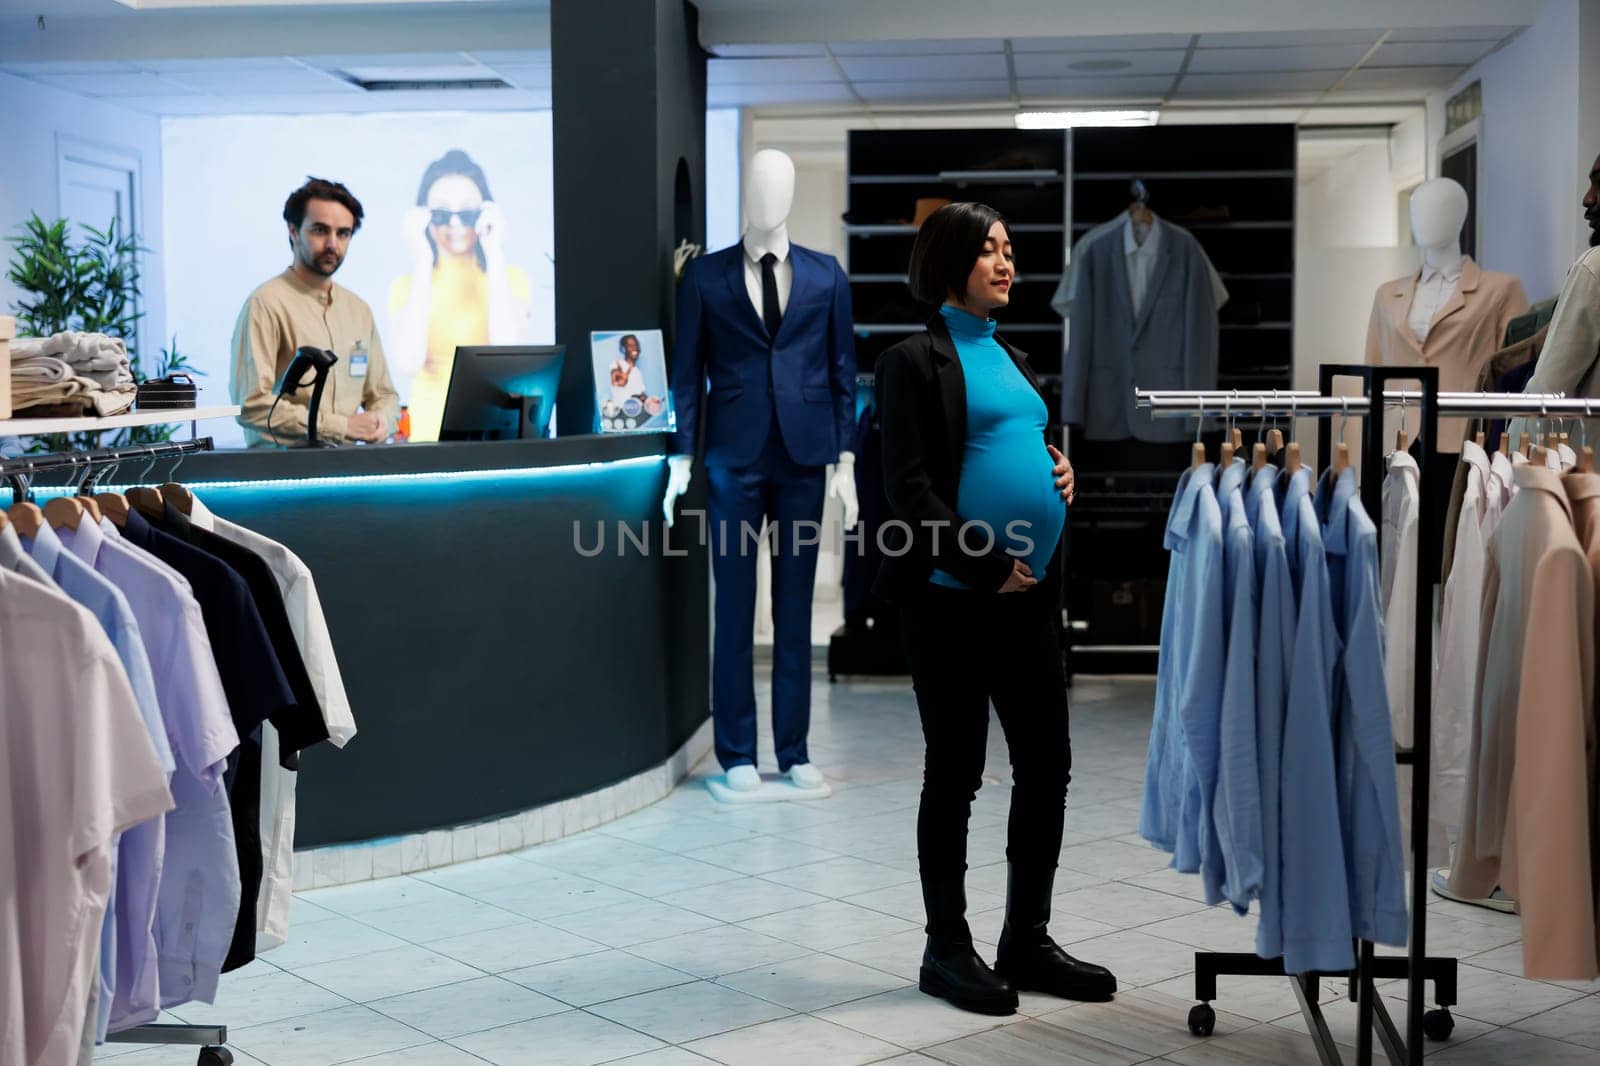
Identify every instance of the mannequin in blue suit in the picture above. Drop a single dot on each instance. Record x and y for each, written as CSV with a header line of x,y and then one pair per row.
x,y
766,325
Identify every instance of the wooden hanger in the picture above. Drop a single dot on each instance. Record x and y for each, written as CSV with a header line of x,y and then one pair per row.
x,y
1274,441
1197,457
1292,460
90,506
64,511
1258,456
114,505
147,500
4,522
1522,444
27,517
1400,440
1341,457
1480,439
182,499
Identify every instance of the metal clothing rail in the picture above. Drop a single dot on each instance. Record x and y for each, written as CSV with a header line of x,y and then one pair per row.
x,y
19,472
1416,966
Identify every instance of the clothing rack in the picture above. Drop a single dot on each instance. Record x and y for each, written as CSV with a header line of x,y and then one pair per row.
x,y
1417,967
19,474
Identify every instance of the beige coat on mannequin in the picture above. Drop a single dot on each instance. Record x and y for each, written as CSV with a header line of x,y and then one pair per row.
x,y
1466,332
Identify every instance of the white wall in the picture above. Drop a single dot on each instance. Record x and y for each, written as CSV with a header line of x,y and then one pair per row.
x,y
228,178
33,118
1533,170
1351,204
724,218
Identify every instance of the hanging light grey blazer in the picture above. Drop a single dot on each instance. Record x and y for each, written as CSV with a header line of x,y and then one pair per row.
x,y
1172,344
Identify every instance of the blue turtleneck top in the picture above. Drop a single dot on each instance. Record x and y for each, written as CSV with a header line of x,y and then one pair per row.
x,y
1007,478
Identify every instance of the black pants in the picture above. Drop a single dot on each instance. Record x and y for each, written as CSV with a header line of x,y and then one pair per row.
x,y
966,650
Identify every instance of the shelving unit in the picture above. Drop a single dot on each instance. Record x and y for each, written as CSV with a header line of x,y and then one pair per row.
x,y
1023,174
1243,215
34,427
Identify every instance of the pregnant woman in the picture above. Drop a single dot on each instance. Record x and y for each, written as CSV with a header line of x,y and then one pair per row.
x,y
969,472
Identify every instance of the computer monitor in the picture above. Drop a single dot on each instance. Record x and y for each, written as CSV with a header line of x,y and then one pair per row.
x,y
501,392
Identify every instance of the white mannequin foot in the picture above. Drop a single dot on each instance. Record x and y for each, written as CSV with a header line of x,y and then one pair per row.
x,y
804,775
745,778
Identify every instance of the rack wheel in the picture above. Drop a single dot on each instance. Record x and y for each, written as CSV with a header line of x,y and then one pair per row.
x,y
1202,1019
215,1056
1437,1025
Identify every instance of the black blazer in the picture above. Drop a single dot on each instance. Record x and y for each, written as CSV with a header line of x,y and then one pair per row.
x,y
922,403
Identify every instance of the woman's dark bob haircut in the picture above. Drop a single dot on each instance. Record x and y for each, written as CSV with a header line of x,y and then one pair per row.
x,y
947,247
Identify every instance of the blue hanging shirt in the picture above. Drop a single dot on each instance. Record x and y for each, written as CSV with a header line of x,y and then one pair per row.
x,y
1231,854
1369,804
1274,661
1189,671
1314,890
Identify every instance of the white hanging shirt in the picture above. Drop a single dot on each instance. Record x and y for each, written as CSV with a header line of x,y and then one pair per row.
x,y
1433,292
1455,679
311,636
783,271
1141,244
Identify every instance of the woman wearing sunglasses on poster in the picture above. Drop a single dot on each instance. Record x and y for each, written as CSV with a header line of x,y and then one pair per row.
x,y
968,471
460,290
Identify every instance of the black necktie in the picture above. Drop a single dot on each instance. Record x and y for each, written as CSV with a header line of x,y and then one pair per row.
x,y
771,315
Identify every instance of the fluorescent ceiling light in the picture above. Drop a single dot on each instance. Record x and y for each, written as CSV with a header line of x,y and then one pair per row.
x,y
1065,120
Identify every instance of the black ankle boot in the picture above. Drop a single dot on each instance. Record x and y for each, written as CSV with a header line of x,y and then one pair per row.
x,y
951,969
1028,958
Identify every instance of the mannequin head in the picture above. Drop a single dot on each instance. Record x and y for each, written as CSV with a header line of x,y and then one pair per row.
x,y
1438,211
769,190
1591,205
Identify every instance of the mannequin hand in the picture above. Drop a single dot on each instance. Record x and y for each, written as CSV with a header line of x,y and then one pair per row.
x,y
677,483
417,246
491,229
1021,578
1066,479
842,487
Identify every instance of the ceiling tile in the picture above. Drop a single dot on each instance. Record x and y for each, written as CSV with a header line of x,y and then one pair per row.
x,y
114,84
885,92
1097,64
1455,33
770,71
1296,57
1436,54
523,57
531,77
1094,88
1402,78
29,70
406,59
917,48
1286,38
262,82
759,95
917,68
1302,81
222,64
1140,42
760,51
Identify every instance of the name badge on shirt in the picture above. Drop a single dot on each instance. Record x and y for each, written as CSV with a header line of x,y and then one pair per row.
x,y
358,360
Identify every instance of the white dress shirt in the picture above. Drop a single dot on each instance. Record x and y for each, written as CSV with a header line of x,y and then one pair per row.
x,y
783,270
1140,244
1433,292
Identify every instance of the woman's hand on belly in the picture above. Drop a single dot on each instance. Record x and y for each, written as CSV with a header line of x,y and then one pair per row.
x,y
1066,480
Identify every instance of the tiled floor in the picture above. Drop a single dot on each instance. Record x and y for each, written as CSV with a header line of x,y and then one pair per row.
x,y
768,935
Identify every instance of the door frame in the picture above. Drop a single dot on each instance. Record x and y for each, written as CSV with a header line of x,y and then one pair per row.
x,y
125,160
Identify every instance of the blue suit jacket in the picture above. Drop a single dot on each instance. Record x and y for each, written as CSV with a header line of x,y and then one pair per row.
x,y
804,378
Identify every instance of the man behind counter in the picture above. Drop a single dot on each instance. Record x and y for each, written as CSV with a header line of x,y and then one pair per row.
x,y
302,306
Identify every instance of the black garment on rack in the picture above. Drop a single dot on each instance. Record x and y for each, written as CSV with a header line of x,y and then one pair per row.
x,y
257,691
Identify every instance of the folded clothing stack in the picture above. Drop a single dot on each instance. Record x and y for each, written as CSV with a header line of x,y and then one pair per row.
x,y
71,373
8,329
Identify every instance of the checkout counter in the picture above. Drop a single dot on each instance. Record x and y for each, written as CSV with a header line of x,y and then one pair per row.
x,y
492,667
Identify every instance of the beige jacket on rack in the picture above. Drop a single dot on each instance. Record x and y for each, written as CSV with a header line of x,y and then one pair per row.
x,y
1464,335
1525,824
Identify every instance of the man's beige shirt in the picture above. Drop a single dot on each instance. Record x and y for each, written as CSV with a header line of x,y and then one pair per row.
x,y
285,314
